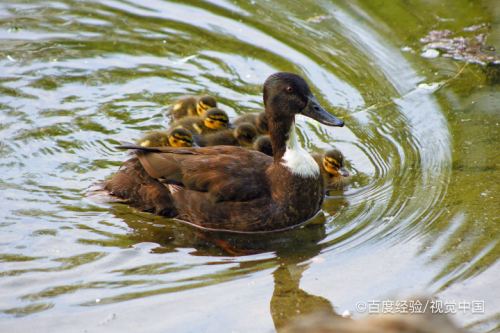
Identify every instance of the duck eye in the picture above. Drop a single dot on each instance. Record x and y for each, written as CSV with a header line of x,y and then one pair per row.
x,y
289,89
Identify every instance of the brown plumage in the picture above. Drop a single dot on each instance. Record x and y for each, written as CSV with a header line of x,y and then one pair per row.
x,y
135,187
138,189
191,106
241,190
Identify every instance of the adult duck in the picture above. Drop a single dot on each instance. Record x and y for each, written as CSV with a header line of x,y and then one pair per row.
x,y
240,190
191,106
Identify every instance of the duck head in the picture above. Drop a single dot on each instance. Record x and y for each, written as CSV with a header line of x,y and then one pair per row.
x,y
333,163
245,133
285,96
204,104
180,137
288,94
216,119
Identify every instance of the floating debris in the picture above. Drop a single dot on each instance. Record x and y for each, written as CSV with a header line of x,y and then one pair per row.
x,y
476,27
470,48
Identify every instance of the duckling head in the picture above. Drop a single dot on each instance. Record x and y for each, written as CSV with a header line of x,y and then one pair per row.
x,y
333,163
216,119
180,137
245,133
263,144
205,103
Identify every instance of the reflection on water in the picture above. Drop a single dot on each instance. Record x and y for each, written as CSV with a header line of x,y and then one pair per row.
x,y
420,213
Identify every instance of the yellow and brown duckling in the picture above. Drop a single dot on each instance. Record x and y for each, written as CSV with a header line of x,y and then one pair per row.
x,y
189,106
332,168
240,190
259,120
243,135
177,137
214,120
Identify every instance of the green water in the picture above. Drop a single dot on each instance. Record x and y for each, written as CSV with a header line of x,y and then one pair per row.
x,y
420,215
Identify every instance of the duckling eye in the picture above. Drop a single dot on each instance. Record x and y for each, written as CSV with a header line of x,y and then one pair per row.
x,y
289,89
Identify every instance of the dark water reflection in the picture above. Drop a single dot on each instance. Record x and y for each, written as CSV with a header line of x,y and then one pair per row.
x,y
420,214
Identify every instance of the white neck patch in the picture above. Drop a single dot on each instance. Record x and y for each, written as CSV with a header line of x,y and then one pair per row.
x,y
297,159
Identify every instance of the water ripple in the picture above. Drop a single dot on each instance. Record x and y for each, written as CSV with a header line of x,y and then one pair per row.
x,y
80,78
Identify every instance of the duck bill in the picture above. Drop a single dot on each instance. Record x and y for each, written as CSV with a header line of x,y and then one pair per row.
x,y
315,111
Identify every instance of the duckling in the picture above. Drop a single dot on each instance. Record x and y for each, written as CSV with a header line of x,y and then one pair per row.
x,y
243,135
214,120
235,189
192,106
263,144
332,168
259,120
177,137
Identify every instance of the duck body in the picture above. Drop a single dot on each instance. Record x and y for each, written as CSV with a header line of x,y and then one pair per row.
x,y
232,188
240,190
191,106
135,187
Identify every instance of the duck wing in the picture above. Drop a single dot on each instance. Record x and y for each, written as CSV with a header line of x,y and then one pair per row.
x,y
225,173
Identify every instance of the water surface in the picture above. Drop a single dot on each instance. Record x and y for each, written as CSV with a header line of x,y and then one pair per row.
x,y
419,216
